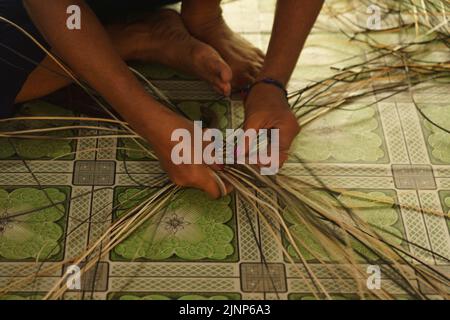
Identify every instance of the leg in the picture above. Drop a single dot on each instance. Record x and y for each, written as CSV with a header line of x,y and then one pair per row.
x,y
161,38
48,77
205,22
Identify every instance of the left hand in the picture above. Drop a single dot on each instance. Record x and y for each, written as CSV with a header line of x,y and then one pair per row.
x,y
266,107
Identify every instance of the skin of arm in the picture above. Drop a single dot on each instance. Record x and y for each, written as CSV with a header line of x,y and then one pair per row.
x,y
266,106
91,56
294,20
89,53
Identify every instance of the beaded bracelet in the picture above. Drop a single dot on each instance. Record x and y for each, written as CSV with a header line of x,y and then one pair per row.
x,y
246,90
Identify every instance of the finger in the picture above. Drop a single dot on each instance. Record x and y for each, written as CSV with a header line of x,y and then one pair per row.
x,y
209,183
228,186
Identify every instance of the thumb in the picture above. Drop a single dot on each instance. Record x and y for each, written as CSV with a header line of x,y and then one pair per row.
x,y
212,185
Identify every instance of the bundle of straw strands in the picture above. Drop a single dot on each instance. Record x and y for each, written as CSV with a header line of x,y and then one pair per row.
x,y
333,223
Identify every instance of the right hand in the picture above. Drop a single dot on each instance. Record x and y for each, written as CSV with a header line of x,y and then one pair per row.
x,y
199,176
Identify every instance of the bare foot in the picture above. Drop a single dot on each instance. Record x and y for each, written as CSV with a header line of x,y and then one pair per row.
x,y
163,38
244,59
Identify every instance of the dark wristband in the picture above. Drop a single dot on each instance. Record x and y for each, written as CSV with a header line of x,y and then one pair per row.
x,y
246,90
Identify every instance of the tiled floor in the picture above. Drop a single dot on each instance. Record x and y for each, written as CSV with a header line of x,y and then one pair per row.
x,y
205,249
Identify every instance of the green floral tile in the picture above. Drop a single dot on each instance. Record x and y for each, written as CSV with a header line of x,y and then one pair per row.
x,y
438,141
445,199
384,218
353,135
32,223
21,296
323,50
38,149
192,227
213,115
130,150
174,296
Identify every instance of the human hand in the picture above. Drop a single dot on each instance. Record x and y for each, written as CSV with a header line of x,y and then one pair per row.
x,y
199,176
266,107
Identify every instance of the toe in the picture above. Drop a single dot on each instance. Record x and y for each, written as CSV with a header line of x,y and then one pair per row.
x,y
260,60
227,76
218,73
255,69
260,54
